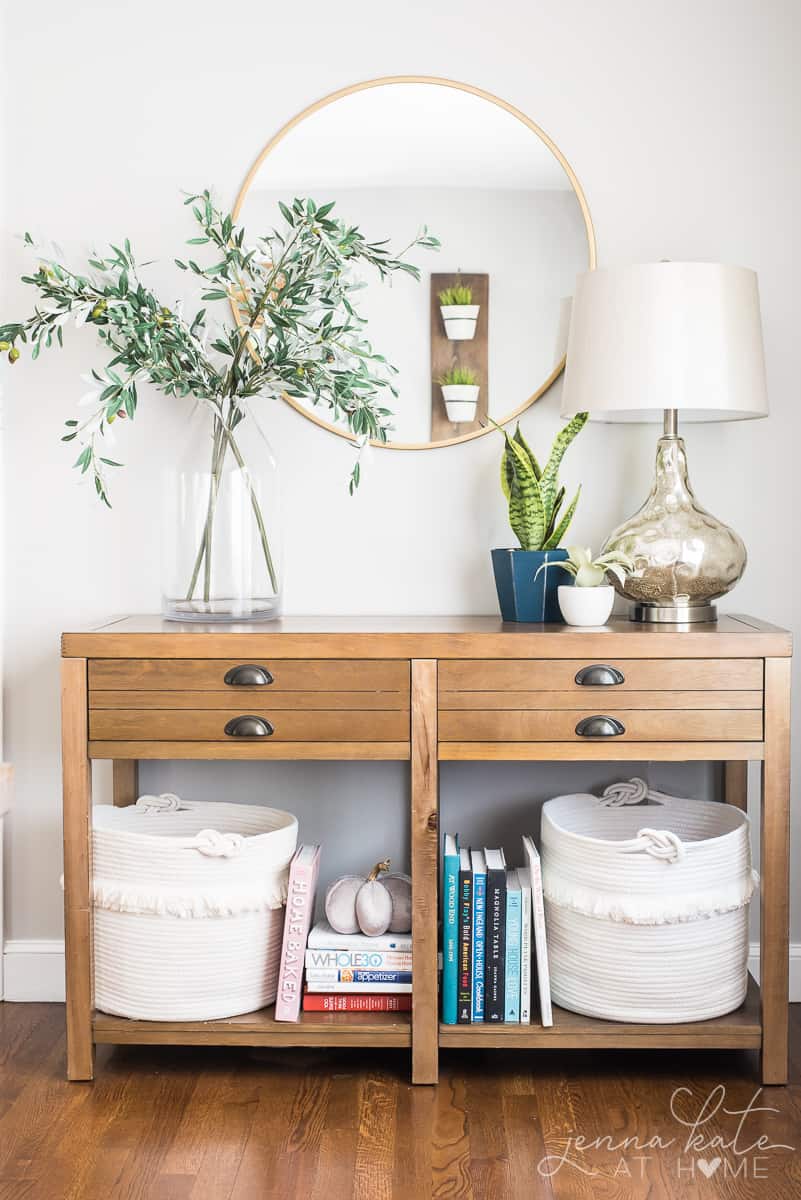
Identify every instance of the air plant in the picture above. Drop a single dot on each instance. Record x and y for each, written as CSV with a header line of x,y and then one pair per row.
x,y
591,572
534,494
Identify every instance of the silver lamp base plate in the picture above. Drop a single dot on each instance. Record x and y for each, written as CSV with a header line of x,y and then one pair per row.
x,y
673,614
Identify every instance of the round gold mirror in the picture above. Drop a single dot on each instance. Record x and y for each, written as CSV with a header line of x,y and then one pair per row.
x,y
482,333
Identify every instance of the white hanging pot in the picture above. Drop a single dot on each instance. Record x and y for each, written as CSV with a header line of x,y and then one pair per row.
x,y
460,321
586,605
460,401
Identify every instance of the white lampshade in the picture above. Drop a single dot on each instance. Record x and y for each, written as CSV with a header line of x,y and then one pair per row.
x,y
666,335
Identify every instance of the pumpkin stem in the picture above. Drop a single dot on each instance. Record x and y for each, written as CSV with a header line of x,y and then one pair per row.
x,y
377,869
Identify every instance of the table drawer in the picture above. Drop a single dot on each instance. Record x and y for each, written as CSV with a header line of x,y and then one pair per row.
x,y
277,725
613,724
279,675
635,674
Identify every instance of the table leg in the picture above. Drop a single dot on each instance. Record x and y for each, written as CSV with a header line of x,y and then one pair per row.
x,y
77,867
735,783
774,870
425,859
125,781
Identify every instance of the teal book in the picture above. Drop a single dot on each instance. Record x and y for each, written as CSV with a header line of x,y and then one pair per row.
x,y
450,927
514,931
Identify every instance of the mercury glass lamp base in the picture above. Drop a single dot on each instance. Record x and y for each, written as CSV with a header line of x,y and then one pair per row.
x,y
673,614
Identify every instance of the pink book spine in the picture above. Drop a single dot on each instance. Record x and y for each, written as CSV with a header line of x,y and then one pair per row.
x,y
297,922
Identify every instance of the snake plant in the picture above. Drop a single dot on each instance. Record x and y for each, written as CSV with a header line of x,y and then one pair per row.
x,y
534,494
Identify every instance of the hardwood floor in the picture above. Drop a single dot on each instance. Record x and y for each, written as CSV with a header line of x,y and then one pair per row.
x,y
180,1123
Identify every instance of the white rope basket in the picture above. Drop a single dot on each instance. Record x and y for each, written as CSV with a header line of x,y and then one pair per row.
x,y
188,907
646,904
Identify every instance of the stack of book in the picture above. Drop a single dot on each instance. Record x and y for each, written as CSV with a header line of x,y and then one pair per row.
x,y
492,917
342,972
356,973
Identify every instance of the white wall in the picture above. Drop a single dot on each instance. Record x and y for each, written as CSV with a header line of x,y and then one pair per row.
x,y
683,123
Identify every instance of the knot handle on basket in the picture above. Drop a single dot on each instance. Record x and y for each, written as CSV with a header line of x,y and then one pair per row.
x,y
631,791
659,843
218,845
166,802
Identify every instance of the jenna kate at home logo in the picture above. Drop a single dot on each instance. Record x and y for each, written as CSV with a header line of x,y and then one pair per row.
x,y
713,1140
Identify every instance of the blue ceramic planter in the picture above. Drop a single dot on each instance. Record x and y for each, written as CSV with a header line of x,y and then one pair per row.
x,y
523,594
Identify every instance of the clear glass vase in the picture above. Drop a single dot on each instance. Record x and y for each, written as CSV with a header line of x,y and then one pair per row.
x,y
221,544
684,558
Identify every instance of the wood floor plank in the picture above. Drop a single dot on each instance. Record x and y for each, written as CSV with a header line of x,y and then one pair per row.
x,y
415,1113
305,1125
373,1177
451,1142
489,1148
340,1137
265,1169
233,1113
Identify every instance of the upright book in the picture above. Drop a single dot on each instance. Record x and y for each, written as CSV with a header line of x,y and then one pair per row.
x,y
538,923
514,922
494,982
465,977
450,927
301,888
479,865
524,876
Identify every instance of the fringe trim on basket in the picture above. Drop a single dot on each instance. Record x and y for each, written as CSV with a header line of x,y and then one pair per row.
x,y
648,910
114,897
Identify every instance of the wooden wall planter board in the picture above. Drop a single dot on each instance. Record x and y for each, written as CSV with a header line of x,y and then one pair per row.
x,y
428,690
473,353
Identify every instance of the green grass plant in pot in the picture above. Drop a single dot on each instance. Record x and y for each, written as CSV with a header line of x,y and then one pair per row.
x,y
459,313
527,587
460,388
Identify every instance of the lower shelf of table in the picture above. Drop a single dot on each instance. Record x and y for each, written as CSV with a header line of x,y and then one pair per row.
x,y
260,1029
738,1030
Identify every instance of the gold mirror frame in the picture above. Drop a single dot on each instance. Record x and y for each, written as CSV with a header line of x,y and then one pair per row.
x,y
475,91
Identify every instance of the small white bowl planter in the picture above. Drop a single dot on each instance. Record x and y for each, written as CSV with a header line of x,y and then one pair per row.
x,y
586,605
460,401
460,321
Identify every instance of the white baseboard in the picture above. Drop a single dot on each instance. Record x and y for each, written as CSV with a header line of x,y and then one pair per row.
x,y
795,968
34,969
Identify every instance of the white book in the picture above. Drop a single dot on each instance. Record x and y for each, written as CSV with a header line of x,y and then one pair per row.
x,y
538,922
357,988
323,937
524,876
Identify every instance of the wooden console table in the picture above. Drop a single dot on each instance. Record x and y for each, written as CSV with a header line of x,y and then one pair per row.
x,y
428,690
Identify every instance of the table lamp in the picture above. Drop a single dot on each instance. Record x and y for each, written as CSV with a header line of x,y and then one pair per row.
x,y
646,342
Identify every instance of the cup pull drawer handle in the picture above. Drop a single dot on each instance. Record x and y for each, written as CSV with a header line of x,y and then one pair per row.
x,y
249,727
248,675
599,675
600,727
